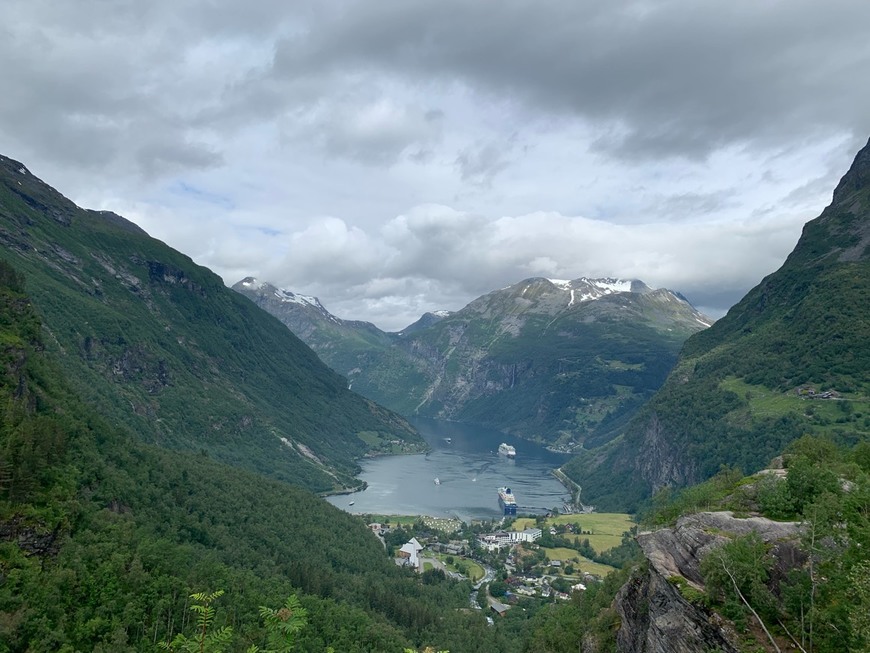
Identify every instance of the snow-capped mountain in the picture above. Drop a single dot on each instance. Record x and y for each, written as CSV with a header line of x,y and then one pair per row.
x,y
559,361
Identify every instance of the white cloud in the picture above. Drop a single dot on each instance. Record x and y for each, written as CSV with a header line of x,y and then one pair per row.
x,y
394,156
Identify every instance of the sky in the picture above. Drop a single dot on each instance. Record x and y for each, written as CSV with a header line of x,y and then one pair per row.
x,y
393,157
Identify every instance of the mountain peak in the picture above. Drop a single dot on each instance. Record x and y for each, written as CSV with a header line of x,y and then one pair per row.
x,y
576,291
857,178
252,285
842,232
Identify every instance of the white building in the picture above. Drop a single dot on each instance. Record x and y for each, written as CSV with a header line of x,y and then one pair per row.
x,y
529,535
409,553
494,541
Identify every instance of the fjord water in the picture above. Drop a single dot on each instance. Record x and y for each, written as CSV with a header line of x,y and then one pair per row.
x,y
470,471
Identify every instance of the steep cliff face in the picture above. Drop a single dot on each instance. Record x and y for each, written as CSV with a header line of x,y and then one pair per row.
x,y
656,619
655,616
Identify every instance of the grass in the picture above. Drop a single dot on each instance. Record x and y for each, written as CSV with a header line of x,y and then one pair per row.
x,y
580,563
824,414
371,438
764,402
607,527
561,554
473,570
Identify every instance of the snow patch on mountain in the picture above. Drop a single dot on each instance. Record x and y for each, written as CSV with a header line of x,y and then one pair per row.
x,y
590,289
293,298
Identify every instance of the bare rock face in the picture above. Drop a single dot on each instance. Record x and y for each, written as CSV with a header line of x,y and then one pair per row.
x,y
678,551
664,464
657,619
655,616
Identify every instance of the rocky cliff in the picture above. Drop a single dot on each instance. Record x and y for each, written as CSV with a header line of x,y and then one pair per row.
x,y
655,615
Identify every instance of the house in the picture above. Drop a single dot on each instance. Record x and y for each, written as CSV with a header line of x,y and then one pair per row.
x,y
498,607
525,591
452,549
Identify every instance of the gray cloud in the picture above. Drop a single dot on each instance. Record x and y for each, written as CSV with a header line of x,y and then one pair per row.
x,y
480,163
397,156
434,257
688,205
679,77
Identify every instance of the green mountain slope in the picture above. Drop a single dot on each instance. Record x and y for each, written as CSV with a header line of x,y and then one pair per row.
x,y
102,537
159,344
559,362
792,357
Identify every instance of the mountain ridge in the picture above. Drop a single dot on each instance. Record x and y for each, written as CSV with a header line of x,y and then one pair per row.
x,y
462,365
159,343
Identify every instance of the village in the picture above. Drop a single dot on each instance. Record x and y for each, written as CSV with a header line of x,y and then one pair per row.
x,y
543,558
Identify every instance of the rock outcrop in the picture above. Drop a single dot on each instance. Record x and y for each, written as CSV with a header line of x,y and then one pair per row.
x,y
655,616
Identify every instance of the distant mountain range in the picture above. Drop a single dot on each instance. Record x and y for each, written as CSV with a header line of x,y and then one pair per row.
x,y
792,357
561,362
159,344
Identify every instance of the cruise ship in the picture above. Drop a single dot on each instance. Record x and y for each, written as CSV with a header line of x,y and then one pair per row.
x,y
507,450
507,501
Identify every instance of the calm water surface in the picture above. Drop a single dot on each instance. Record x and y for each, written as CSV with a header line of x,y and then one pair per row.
x,y
470,471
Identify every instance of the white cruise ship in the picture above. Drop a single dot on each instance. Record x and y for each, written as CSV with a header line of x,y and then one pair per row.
x,y
507,450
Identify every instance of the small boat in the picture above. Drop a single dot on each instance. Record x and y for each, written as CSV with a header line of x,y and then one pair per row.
x,y
351,503
437,481
448,440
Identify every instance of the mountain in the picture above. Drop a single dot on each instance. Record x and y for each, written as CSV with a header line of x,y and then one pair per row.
x,y
425,321
158,344
560,362
792,357
104,538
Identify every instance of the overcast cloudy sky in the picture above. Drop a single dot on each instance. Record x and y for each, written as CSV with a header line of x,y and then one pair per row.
x,y
397,156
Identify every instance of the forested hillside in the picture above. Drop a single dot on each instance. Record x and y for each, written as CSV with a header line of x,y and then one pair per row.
x,y
159,345
102,538
791,358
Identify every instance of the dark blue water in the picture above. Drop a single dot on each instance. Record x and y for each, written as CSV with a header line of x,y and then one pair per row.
x,y
470,470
